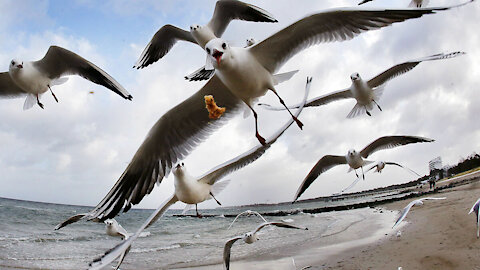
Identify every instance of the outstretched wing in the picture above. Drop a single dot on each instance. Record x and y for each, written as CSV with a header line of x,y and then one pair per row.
x,y
226,251
401,166
171,139
278,224
405,67
60,62
364,2
248,212
404,213
200,74
228,10
388,142
324,164
161,43
251,155
329,26
8,89
121,248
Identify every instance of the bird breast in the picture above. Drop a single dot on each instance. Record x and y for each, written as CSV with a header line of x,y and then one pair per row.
x,y
355,161
250,239
30,79
190,191
362,92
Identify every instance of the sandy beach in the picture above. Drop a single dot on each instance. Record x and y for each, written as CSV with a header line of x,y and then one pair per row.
x,y
437,235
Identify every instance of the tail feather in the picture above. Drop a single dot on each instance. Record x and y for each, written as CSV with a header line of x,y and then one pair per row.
x,y
356,111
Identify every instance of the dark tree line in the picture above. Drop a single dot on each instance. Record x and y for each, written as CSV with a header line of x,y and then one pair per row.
x,y
471,162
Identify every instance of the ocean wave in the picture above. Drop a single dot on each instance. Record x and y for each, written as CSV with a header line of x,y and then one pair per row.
x,y
147,250
144,234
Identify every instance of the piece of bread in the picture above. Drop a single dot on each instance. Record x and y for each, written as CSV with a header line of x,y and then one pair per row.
x,y
214,112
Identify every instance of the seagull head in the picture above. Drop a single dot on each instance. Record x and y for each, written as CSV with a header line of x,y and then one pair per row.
x,y
355,77
179,170
109,222
250,41
15,65
351,152
249,237
195,27
217,50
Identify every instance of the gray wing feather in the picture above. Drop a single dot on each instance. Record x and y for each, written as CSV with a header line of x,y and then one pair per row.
x,y
161,43
227,249
59,62
121,248
404,213
324,164
70,220
278,224
251,155
8,89
400,69
329,26
399,165
364,2
388,142
228,10
200,74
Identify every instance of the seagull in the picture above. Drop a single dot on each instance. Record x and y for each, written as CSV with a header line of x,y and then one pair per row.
x,y
475,209
225,11
379,167
250,72
251,237
413,3
204,74
368,93
170,139
248,213
114,229
410,205
32,79
356,159
193,190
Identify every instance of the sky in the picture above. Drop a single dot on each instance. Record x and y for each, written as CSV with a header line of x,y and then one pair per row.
x,y
75,150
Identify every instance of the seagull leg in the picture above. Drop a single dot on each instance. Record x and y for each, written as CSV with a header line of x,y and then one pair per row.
x,y
363,174
377,105
196,210
39,103
299,123
215,198
52,93
356,173
260,138
368,113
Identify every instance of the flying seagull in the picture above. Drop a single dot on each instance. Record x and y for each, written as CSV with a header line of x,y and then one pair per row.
x,y
32,79
170,140
475,209
379,166
413,3
193,190
250,72
410,205
248,213
368,93
225,12
113,228
356,159
251,237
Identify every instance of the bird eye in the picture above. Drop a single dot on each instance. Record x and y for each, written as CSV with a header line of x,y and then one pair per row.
x,y
224,45
208,50
13,63
183,164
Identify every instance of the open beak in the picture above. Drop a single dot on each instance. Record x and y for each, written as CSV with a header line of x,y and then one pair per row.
x,y
178,166
19,66
218,56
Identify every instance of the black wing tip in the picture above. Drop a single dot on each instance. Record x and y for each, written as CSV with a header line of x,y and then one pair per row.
x,y
129,97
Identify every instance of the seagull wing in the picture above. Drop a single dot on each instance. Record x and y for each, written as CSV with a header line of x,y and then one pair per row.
x,y
161,43
200,74
278,224
251,155
404,212
388,142
396,164
171,139
324,164
329,26
405,67
373,167
60,62
433,198
121,230
352,184
245,213
8,89
364,2
228,10
70,220
122,247
473,207
226,251
318,101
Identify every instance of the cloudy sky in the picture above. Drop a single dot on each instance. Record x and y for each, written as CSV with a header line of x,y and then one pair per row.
x,y
74,151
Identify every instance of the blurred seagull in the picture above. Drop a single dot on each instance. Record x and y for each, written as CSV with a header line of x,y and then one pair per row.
x,y
251,237
35,78
379,166
250,72
475,209
368,93
225,12
356,159
194,190
248,213
413,3
410,205
114,229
